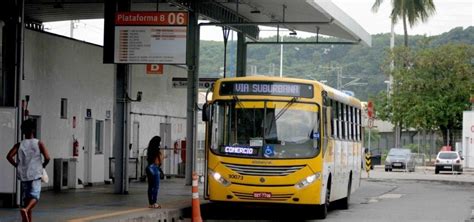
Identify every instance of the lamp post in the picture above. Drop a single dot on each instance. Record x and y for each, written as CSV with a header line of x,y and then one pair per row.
x,y
388,86
281,58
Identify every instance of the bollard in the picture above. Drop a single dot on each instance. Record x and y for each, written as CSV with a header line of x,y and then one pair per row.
x,y
368,163
196,206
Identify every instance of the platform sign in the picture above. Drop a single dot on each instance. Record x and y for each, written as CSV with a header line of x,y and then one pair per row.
x,y
150,37
205,83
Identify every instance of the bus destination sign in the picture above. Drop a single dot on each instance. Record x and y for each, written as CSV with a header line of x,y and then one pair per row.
x,y
267,88
241,150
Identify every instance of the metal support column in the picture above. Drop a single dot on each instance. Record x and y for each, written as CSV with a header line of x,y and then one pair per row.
x,y
241,55
13,44
192,62
12,54
122,104
121,132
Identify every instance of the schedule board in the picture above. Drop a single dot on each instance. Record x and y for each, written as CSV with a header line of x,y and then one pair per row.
x,y
150,37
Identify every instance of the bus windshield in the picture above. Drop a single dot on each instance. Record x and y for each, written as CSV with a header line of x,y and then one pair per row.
x,y
265,129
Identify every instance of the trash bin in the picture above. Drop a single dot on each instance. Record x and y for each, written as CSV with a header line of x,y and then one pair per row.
x,y
376,159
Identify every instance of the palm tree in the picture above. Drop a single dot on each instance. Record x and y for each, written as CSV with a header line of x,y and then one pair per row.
x,y
411,10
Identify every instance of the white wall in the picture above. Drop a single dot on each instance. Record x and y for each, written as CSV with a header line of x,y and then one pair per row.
x,y
57,67
159,100
468,138
7,140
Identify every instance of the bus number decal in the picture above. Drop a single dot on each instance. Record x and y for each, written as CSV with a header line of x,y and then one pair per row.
x,y
236,177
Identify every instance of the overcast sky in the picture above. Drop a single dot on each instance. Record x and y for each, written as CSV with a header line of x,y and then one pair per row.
x,y
449,14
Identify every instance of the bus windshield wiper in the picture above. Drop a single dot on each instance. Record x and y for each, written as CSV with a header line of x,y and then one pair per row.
x,y
236,99
239,103
285,108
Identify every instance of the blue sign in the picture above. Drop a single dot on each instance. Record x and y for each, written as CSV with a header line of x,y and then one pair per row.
x,y
316,135
268,151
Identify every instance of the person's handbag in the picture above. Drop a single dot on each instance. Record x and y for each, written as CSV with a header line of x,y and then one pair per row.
x,y
44,177
162,174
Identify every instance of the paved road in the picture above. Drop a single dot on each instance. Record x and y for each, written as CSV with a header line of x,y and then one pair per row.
x,y
386,196
407,200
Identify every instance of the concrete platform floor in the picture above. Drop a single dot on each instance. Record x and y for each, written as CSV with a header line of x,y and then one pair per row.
x,y
99,203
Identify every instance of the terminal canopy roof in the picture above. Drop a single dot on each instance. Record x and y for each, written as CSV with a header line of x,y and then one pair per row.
x,y
302,15
315,16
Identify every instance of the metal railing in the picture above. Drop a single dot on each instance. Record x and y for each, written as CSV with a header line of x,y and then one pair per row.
x,y
132,168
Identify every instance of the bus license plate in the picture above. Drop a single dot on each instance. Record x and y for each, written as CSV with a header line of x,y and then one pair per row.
x,y
447,167
262,195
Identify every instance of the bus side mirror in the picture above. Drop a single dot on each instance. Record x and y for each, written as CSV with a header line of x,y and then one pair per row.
x,y
206,112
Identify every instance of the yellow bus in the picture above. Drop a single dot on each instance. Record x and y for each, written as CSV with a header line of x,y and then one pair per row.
x,y
282,140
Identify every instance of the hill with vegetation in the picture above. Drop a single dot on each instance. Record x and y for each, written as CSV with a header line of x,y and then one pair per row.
x,y
357,67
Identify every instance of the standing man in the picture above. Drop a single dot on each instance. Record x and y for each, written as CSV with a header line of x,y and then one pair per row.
x,y
29,167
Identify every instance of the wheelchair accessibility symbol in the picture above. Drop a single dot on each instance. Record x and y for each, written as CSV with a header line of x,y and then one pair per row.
x,y
268,151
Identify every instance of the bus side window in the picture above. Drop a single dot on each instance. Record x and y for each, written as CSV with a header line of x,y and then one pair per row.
x,y
325,133
351,122
356,124
332,119
338,120
348,122
343,121
360,124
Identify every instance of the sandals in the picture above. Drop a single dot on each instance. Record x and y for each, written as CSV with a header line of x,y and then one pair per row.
x,y
155,206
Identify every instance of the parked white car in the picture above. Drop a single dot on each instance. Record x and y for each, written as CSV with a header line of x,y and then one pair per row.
x,y
448,161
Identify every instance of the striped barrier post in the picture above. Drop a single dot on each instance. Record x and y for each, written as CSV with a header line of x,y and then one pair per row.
x,y
196,206
368,163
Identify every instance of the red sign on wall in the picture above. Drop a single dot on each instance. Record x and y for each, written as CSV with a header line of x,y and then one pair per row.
x,y
154,69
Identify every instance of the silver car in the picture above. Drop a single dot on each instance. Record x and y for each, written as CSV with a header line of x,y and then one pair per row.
x,y
399,158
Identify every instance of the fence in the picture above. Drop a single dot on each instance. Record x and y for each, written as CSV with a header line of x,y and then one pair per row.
x,y
132,168
172,166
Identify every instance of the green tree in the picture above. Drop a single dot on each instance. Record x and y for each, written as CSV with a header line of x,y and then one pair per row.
x,y
309,61
409,10
433,91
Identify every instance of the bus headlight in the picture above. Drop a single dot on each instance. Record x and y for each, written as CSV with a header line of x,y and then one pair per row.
x,y
218,177
308,180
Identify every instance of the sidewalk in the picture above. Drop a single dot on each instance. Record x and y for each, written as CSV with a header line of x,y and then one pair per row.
x,y
99,203
422,174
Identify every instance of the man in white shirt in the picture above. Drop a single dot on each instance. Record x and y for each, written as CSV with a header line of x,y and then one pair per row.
x,y
29,167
